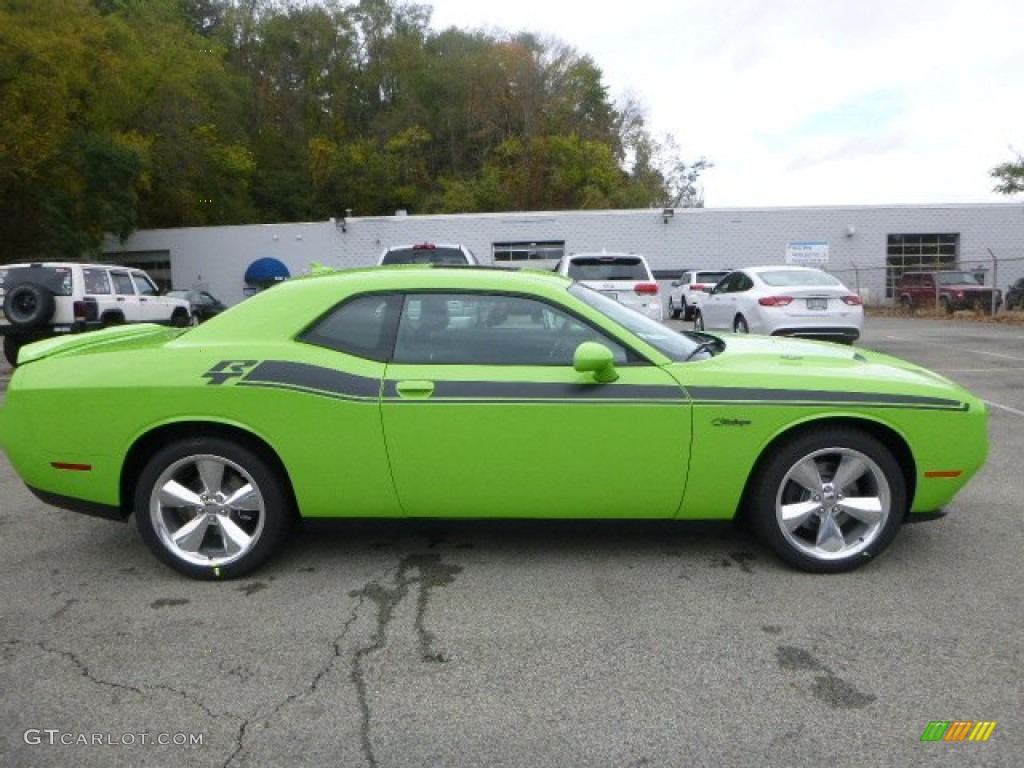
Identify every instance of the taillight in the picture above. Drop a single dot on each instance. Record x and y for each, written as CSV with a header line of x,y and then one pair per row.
x,y
646,289
775,301
853,301
698,287
424,247
80,309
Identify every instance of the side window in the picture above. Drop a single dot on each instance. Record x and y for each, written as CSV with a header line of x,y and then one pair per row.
x,y
123,284
728,285
144,284
96,281
744,283
472,329
362,327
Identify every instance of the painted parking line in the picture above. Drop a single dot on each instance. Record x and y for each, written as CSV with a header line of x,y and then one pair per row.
x,y
964,348
1000,406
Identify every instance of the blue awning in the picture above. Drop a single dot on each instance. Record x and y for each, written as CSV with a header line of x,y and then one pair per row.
x,y
266,271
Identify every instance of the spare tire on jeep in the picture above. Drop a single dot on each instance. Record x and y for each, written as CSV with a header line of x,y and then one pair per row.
x,y
29,306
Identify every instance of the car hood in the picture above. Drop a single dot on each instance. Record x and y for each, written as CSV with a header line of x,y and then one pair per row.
x,y
758,362
104,340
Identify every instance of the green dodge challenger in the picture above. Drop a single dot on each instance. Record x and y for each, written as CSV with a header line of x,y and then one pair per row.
x,y
474,393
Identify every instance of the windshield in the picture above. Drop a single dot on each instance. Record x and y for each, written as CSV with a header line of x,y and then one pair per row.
x,y
958,278
783,277
431,255
608,268
673,345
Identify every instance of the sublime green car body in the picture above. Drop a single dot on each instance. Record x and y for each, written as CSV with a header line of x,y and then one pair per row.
x,y
475,392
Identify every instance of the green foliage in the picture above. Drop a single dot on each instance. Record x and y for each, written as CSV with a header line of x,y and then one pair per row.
x,y
1010,176
120,114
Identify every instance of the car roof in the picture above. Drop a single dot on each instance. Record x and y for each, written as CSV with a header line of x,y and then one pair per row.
x,y
68,264
605,254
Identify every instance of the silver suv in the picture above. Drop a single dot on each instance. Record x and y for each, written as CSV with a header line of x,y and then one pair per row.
x,y
47,299
625,277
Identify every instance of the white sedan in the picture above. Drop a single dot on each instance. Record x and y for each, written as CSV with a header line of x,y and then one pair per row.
x,y
783,301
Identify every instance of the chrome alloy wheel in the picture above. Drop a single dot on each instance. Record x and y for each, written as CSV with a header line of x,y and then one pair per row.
x,y
833,503
207,510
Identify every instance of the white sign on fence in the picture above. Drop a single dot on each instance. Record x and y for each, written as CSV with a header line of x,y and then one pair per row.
x,y
807,253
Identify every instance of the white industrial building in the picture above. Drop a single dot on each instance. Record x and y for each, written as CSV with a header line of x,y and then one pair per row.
x,y
865,246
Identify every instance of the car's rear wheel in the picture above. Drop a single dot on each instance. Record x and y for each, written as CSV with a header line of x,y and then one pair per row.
x,y
828,501
181,318
945,306
698,321
12,345
211,508
739,325
29,306
673,310
906,304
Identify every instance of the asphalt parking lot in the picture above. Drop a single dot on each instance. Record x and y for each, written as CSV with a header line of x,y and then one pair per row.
x,y
531,644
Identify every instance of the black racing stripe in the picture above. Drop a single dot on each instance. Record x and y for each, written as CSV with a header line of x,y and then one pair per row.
x,y
529,391
796,397
312,378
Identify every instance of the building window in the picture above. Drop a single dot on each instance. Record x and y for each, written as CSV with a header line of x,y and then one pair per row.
x,y
548,250
918,252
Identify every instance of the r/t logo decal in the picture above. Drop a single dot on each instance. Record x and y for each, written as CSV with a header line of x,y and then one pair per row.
x,y
229,369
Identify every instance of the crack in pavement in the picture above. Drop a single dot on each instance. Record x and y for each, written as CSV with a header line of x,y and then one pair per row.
x,y
432,573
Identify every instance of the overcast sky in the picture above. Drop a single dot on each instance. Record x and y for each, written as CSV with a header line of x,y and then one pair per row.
x,y
805,102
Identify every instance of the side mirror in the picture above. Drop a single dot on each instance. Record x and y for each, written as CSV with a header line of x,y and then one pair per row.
x,y
597,359
710,290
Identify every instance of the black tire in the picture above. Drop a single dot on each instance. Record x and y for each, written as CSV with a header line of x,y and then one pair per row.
x,y
12,345
739,325
858,533
698,321
945,305
253,525
687,310
181,319
113,318
672,309
29,306
906,304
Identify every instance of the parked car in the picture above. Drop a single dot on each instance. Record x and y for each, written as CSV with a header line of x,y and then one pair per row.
x,y
1015,295
428,253
625,277
354,394
685,294
947,290
203,304
51,298
783,301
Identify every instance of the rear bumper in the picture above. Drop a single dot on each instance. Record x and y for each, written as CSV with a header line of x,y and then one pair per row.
x,y
847,335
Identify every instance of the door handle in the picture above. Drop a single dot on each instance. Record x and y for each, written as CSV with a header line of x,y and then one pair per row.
x,y
414,390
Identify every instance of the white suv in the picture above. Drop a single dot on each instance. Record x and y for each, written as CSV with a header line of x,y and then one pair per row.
x,y
428,253
50,298
687,292
625,277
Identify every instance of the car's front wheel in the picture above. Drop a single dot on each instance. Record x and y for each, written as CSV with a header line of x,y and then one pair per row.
x,y
211,508
698,321
739,325
828,501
